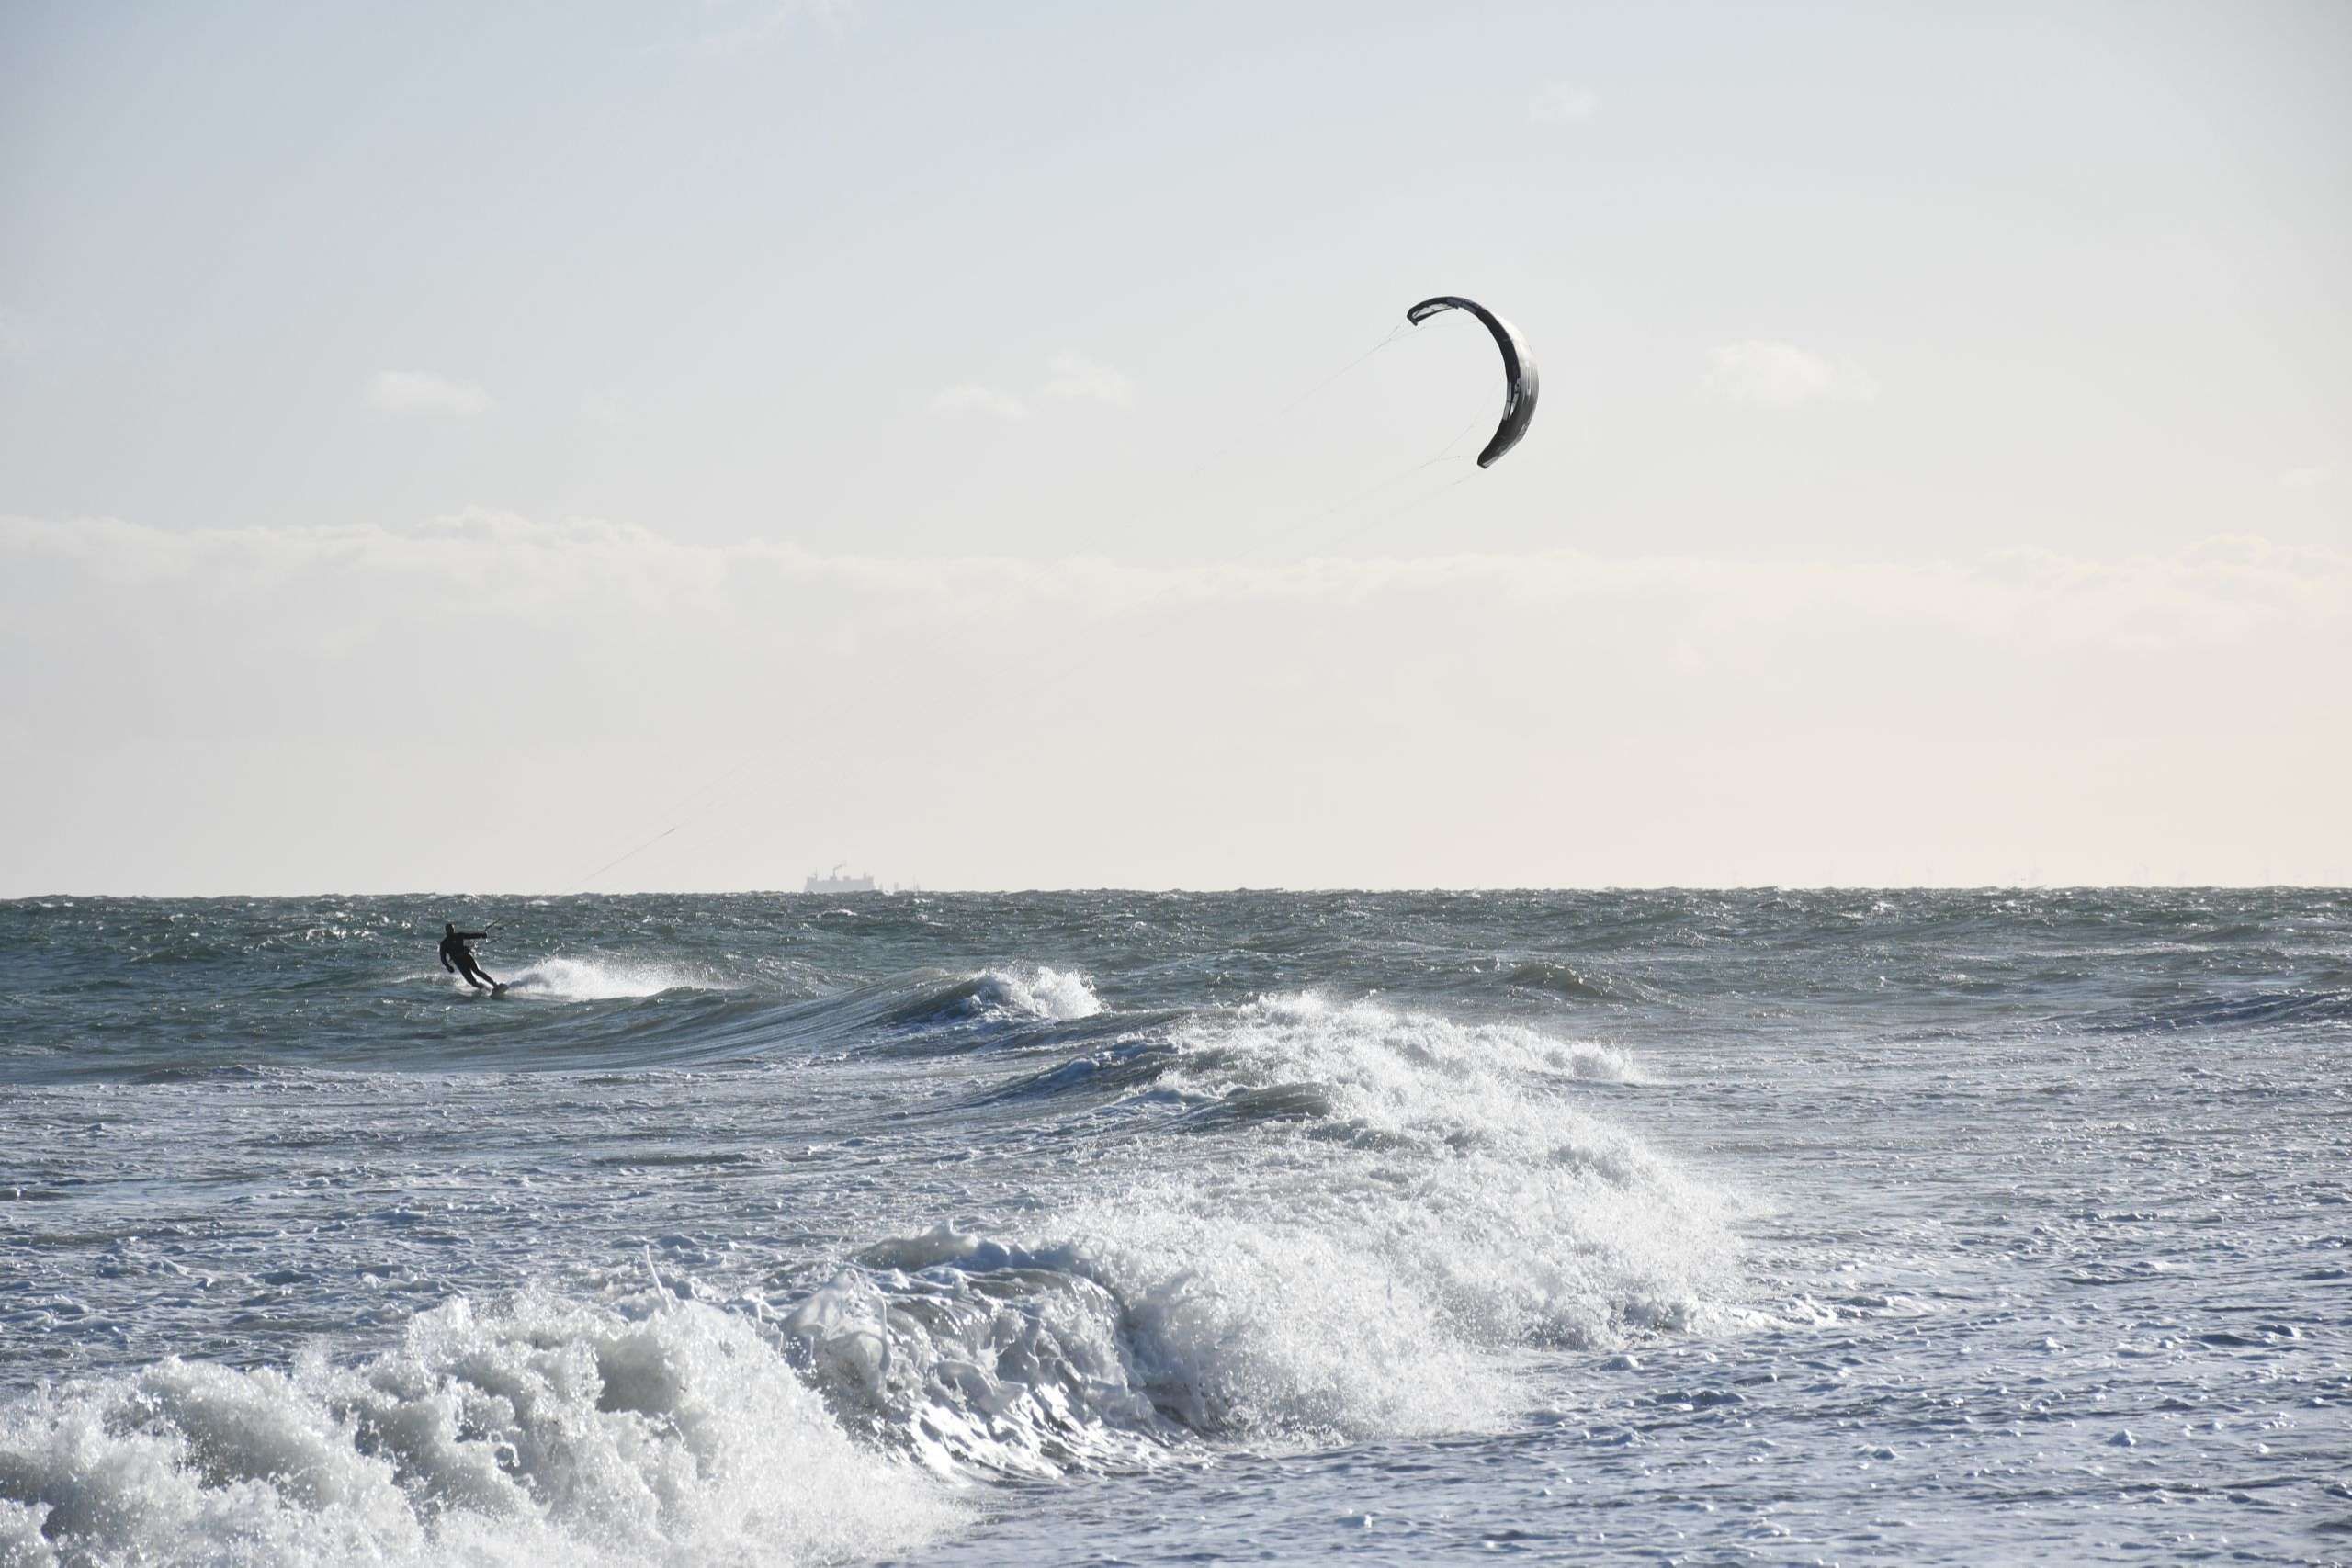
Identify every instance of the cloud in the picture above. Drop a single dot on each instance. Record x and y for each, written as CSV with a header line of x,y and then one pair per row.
x,y
238,707
1781,376
421,391
1070,378
970,397
1562,103
2231,588
2302,481
1082,380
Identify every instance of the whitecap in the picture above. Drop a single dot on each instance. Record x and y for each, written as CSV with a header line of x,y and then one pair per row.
x,y
1035,991
537,1430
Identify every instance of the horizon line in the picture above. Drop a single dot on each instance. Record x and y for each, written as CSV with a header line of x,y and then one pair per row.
x,y
1247,888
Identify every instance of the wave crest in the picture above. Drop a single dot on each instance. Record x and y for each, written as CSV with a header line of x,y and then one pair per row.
x,y
537,1430
1058,995
597,980
1428,1201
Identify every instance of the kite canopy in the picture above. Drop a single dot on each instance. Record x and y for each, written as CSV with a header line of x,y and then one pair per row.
x,y
1519,370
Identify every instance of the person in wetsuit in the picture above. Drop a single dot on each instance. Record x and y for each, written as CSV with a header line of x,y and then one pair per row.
x,y
458,959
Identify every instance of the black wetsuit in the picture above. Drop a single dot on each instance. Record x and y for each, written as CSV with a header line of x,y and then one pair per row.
x,y
458,959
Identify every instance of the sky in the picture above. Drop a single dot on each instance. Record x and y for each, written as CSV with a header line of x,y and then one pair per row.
x,y
527,448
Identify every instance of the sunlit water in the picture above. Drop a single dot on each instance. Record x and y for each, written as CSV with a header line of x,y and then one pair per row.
x,y
1891,1227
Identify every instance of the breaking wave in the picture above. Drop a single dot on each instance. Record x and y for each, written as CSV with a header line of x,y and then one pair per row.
x,y
1295,1221
597,980
1431,1200
1041,992
537,1430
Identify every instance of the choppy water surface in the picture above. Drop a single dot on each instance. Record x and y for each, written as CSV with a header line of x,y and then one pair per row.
x,y
1903,1227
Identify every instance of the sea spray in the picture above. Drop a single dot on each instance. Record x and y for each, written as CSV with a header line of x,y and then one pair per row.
x,y
1364,1268
536,1429
601,979
1313,1169
1038,991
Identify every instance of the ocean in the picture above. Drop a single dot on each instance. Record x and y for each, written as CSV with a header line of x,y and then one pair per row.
x,y
1752,1226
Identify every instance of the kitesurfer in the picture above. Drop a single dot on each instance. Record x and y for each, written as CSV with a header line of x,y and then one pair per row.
x,y
458,959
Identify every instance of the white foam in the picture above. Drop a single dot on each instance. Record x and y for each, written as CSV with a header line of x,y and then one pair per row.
x,y
1394,1056
535,1432
1039,992
1374,1270
1025,1373
1478,1176
594,980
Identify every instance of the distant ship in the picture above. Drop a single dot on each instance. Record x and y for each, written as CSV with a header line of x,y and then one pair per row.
x,y
834,882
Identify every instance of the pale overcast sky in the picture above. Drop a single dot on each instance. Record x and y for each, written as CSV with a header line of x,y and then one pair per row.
x,y
445,447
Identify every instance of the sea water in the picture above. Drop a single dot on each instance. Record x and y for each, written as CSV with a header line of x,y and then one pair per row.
x,y
1747,1227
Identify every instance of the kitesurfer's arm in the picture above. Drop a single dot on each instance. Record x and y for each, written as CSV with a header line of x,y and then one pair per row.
x,y
473,936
